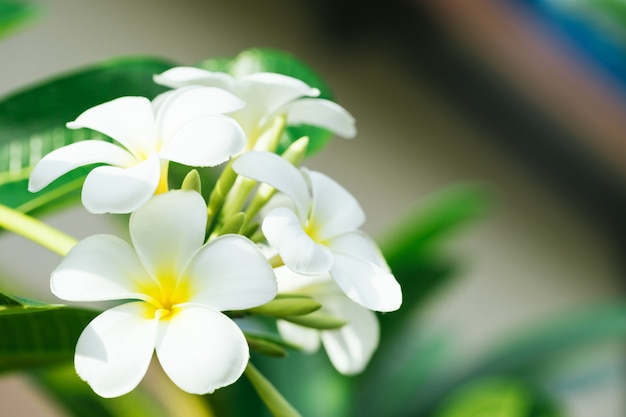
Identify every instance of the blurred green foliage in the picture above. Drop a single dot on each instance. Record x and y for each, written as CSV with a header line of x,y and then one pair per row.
x,y
13,15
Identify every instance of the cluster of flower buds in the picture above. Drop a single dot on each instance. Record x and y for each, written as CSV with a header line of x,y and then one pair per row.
x,y
271,239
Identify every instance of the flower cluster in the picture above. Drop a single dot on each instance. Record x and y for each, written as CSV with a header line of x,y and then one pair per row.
x,y
269,232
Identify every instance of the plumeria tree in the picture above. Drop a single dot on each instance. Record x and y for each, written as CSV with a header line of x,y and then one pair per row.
x,y
232,254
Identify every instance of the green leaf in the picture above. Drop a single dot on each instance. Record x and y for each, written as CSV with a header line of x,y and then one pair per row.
x,y
13,14
432,220
32,123
412,246
35,334
522,353
270,60
495,397
8,301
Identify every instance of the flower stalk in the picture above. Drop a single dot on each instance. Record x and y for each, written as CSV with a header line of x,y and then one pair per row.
x,y
36,231
231,191
275,402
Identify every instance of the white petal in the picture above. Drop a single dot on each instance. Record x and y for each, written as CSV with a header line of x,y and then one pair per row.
x,y
62,160
360,245
184,76
265,94
350,347
201,350
168,230
98,268
158,101
110,189
205,141
128,120
114,350
334,210
292,282
366,283
271,169
276,90
305,338
322,113
189,103
230,273
298,251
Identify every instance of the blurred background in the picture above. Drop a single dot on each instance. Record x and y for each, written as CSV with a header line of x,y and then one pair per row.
x,y
523,99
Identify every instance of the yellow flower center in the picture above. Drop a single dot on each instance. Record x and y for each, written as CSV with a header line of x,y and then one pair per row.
x,y
163,186
164,296
313,230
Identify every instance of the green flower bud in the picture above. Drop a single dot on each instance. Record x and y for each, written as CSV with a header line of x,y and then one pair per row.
x,y
317,320
285,307
192,182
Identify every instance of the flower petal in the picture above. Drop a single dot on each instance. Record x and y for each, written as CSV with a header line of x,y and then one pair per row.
x,y
189,103
110,189
360,245
274,89
298,251
366,283
230,273
305,338
114,350
273,170
184,76
291,282
350,347
98,268
265,94
205,141
334,210
168,230
322,113
62,160
128,120
201,350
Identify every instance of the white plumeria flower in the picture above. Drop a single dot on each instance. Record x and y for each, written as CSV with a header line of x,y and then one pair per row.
x,y
268,95
350,347
321,233
187,127
177,287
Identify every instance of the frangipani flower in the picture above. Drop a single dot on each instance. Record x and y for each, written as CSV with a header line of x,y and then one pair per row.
x,y
187,127
268,95
350,347
320,234
177,288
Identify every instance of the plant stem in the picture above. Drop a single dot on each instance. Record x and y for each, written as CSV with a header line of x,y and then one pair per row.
x,y
275,402
35,230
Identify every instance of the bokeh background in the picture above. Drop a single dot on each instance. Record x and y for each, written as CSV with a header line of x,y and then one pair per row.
x,y
525,98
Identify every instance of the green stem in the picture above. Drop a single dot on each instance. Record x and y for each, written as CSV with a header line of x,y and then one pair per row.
x,y
237,196
218,195
35,230
275,402
294,154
